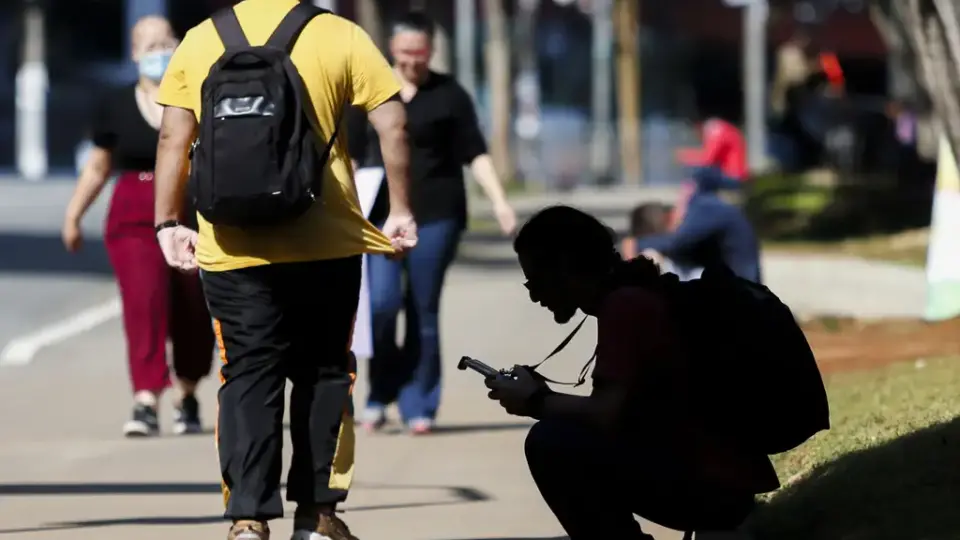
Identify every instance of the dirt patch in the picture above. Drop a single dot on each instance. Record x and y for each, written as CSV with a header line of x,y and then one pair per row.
x,y
846,344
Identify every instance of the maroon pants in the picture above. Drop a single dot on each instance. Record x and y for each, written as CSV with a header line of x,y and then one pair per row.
x,y
158,302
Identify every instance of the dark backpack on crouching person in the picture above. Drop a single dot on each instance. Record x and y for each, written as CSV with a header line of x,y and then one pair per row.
x,y
258,160
755,376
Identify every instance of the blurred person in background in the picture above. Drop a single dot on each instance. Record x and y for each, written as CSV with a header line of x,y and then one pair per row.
x,y
722,157
444,136
645,219
158,302
711,231
792,67
650,219
805,74
724,149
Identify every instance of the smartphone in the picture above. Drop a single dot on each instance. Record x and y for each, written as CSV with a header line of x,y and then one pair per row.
x,y
470,363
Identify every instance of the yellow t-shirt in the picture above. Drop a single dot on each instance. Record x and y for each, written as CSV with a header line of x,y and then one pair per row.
x,y
339,64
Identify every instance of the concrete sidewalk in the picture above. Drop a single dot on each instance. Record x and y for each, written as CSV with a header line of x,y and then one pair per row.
x,y
65,472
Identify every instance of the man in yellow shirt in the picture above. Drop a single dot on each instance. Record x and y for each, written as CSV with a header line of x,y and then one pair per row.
x,y
284,296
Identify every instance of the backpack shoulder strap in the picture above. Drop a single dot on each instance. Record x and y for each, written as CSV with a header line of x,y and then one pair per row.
x,y
333,139
228,27
287,32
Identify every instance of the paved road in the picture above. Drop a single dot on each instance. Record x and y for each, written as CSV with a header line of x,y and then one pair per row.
x,y
39,282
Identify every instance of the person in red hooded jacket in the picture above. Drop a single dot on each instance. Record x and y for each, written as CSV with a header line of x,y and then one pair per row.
x,y
724,150
724,147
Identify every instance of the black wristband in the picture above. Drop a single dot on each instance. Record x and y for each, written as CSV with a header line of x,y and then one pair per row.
x,y
535,402
166,225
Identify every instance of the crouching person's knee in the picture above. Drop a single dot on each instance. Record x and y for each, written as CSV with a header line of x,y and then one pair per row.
x,y
552,445
537,440
545,452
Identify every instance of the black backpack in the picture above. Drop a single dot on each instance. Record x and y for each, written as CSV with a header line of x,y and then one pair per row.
x,y
754,375
258,160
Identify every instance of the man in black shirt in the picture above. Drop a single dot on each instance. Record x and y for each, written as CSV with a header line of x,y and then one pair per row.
x,y
444,136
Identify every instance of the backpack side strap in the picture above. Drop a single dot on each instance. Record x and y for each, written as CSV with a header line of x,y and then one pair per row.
x,y
285,35
228,27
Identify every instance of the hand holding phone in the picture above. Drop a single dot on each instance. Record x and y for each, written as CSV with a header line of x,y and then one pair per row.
x,y
476,365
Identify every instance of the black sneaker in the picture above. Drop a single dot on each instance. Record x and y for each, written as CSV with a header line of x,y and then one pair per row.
x,y
186,418
143,423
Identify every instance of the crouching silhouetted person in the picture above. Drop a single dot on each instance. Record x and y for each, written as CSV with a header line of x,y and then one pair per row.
x,y
639,443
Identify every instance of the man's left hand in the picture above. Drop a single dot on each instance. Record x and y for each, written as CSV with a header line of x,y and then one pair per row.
x,y
514,393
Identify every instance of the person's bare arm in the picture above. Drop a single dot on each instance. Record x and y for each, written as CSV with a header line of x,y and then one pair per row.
x,y
390,122
93,177
177,131
486,175
603,408
628,248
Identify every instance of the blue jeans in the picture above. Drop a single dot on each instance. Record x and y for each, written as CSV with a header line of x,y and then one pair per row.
x,y
410,374
711,178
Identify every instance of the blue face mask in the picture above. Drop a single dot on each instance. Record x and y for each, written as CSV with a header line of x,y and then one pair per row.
x,y
153,65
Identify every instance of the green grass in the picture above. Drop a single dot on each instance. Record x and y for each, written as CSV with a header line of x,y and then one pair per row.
x,y
889,468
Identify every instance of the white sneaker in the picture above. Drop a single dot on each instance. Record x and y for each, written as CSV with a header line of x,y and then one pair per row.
x,y
373,418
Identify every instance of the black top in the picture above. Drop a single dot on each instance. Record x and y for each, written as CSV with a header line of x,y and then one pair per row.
x,y
119,126
444,136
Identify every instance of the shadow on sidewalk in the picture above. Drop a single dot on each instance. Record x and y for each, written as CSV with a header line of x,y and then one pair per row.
x,y
486,262
460,493
456,429
44,253
454,495
905,488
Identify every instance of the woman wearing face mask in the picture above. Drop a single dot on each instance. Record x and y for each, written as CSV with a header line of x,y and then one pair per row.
x,y
444,137
158,303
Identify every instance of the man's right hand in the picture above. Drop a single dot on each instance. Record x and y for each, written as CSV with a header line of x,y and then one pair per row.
x,y
401,229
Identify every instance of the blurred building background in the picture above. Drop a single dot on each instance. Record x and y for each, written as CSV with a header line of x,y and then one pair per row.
x,y
689,56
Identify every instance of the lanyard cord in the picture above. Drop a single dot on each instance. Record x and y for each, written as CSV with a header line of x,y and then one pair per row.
x,y
563,345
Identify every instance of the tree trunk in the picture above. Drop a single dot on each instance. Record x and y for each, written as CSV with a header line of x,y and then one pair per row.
x,y
442,59
929,31
627,21
370,19
497,60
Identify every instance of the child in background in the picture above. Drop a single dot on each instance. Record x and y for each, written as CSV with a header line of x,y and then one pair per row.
x,y
653,219
711,231
645,219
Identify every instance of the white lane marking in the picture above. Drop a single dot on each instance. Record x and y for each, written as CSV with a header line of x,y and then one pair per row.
x,y
20,351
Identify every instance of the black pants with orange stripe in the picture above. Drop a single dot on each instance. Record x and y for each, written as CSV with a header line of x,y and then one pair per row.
x,y
275,323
